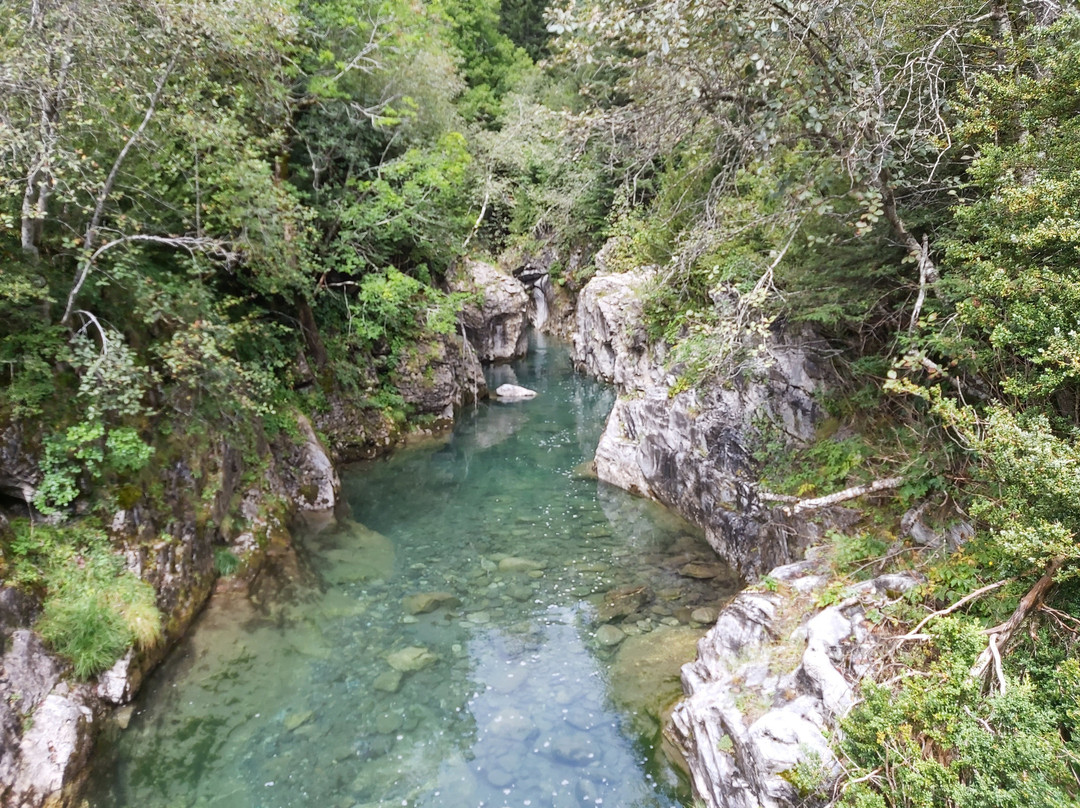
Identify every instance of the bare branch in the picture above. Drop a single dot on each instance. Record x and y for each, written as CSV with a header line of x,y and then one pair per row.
x,y
797,505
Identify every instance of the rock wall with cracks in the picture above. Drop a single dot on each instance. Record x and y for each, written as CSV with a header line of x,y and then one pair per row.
x,y
48,721
776,672
693,450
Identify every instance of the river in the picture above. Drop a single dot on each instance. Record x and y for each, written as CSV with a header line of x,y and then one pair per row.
x,y
486,625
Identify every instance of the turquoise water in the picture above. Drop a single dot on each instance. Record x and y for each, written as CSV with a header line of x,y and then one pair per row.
x,y
439,646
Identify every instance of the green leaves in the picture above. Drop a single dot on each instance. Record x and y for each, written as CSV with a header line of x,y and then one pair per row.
x,y
935,741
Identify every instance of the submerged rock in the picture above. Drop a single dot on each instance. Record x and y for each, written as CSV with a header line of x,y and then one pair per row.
x,y
608,635
364,555
703,570
704,614
425,602
411,659
623,602
645,675
514,564
388,681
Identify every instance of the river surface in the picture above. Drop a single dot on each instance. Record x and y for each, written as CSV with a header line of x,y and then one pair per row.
x,y
487,626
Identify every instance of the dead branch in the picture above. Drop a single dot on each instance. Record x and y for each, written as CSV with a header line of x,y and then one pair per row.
x,y
914,633
1001,635
797,505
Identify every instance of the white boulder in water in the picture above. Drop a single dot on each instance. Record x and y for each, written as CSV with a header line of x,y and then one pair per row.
x,y
514,392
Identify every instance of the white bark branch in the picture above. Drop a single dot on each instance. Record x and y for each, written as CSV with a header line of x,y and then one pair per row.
x,y
798,505
964,601
106,189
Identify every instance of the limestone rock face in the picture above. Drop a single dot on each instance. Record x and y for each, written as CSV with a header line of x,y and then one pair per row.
x,y
550,278
766,688
439,375
19,475
514,392
495,325
693,451
307,471
355,432
39,759
610,341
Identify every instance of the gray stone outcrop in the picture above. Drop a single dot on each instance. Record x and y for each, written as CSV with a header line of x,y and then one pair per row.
x,y
690,450
771,681
610,341
775,674
495,321
48,722
439,375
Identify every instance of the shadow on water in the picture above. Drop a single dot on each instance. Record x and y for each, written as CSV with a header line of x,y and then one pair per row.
x,y
488,627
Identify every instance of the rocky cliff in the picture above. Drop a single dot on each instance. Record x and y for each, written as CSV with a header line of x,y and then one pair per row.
x,y
692,450
769,682
210,498
777,670
495,316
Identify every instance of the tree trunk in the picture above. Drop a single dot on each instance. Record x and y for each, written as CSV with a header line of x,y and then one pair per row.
x,y
312,338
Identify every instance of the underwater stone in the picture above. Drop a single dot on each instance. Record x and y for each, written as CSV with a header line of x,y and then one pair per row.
x,y
413,658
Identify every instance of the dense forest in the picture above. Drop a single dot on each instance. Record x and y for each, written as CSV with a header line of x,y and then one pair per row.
x,y
214,214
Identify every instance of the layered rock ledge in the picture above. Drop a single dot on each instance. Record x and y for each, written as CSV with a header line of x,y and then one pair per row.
x,y
777,671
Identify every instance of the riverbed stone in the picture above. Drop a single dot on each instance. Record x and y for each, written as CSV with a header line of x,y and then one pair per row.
x,y
645,675
623,602
574,750
704,614
608,635
703,570
511,724
426,602
514,564
387,723
388,681
294,721
413,658
514,392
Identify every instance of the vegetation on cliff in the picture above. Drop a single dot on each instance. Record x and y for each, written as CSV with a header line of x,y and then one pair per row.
x,y
212,215
901,178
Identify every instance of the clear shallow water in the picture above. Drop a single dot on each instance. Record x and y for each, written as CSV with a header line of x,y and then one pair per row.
x,y
335,687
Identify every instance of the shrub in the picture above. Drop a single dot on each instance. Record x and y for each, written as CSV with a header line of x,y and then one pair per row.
x,y
94,609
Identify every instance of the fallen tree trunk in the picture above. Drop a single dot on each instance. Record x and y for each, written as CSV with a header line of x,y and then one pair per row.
x,y
797,505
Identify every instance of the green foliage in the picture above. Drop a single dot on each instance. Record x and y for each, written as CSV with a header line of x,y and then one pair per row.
x,y
853,550
491,63
1015,253
86,448
938,742
398,309
1030,494
817,468
226,561
414,214
809,776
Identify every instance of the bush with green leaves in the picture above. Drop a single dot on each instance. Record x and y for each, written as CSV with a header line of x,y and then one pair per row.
x,y
937,742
